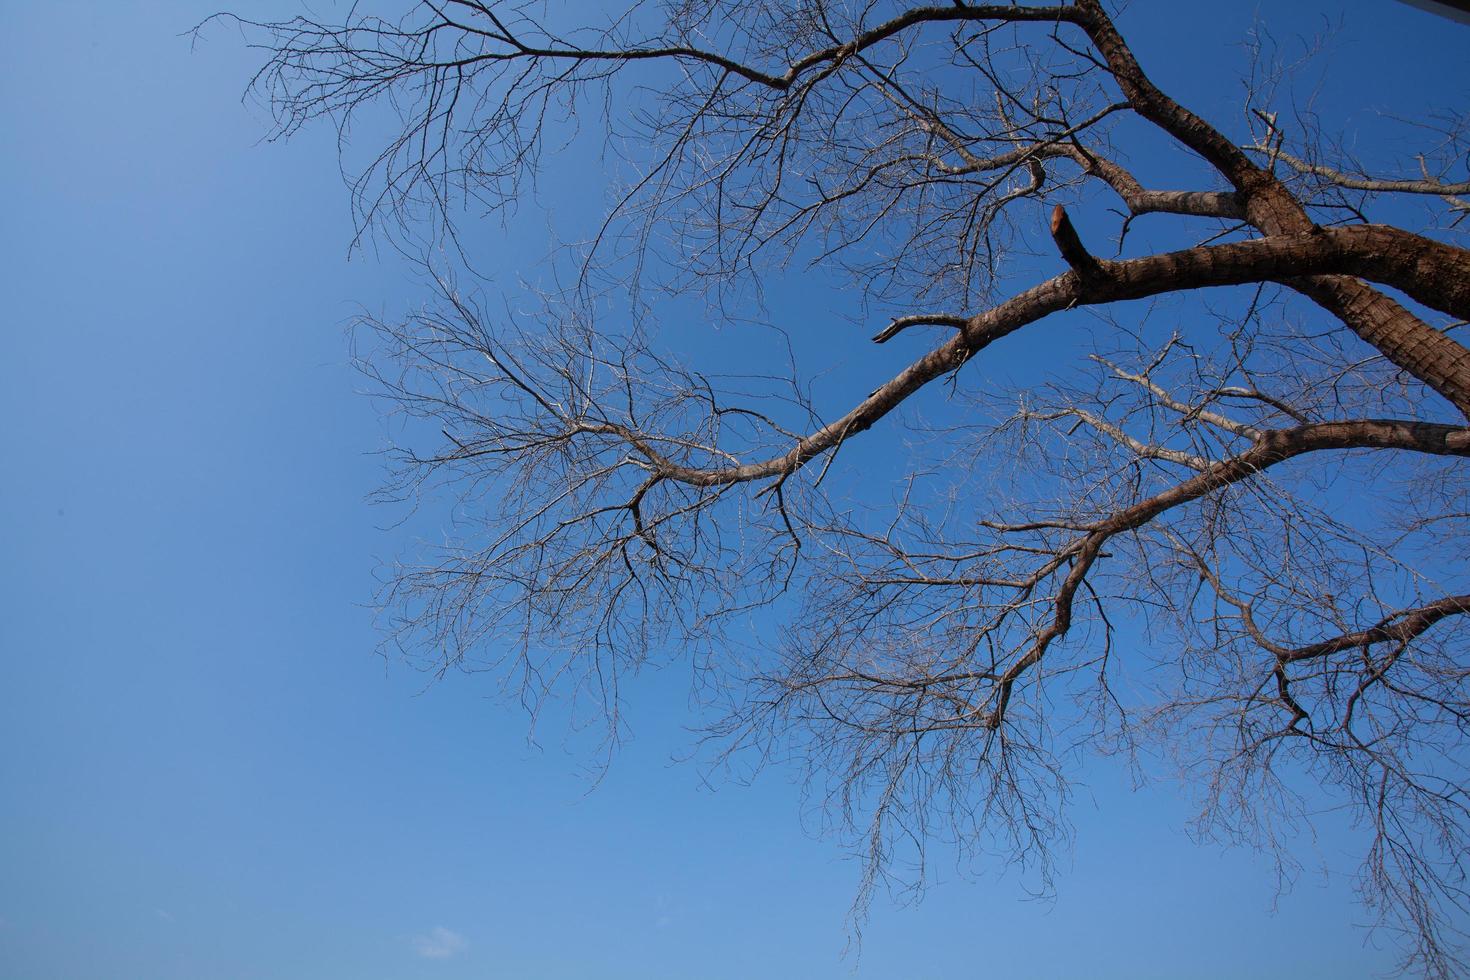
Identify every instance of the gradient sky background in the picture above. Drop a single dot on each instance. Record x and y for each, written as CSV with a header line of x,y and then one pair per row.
x,y
205,771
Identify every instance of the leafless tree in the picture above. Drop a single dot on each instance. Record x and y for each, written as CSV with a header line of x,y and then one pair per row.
x,y
1148,550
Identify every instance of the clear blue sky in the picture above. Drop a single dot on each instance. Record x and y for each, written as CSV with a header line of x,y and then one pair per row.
x,y
206,772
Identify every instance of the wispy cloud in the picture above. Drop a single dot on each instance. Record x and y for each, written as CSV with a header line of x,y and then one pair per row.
x,y
440,943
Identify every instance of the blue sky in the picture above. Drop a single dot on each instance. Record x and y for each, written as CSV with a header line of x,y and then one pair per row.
x,y
205,769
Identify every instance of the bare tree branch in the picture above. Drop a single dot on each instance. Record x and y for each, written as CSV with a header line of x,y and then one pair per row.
x,y
1256,518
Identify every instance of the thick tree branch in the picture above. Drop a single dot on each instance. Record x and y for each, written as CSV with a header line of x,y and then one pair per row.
x,y
1071,247
1396,257
1270,449
1401,627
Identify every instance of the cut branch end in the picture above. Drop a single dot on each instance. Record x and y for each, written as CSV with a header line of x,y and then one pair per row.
x,y
1073,251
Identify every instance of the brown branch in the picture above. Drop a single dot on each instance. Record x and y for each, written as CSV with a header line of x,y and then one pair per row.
x,y
1140,200
1063,145
1271,448
902,323
1401,627
1071,247
1434,273
1257,186
1404,339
